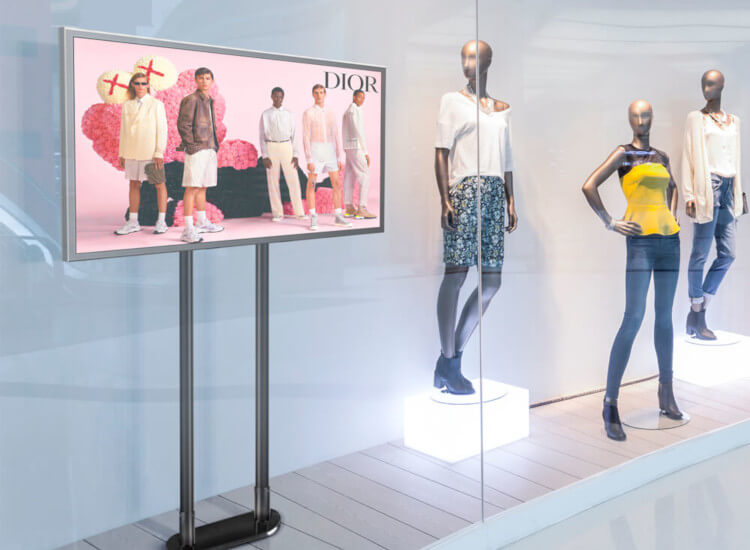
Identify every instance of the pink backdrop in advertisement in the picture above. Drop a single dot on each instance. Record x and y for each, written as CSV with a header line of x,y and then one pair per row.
x,y
245,83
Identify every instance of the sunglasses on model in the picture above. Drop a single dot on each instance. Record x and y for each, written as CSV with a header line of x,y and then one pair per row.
x,y
140,83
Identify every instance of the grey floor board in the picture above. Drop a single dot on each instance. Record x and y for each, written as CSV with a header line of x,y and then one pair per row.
x,y
392,497
420,515
380,528
574,465
715,394
306,520
439,473
594,428
430,492
288,538
128,537
549,476
577,447
80,545
589,409
509,483
543,427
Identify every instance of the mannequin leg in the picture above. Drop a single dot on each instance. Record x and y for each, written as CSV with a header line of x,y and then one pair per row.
x,y
666,272
469,320
637,279
447,307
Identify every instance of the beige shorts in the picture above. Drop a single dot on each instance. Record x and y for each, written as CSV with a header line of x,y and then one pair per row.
x,y
200,169
135,170
323,157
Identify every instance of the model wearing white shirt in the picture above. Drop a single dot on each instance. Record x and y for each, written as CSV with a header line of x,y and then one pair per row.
x,y
357,159
143,138
322,148
279,151
712,186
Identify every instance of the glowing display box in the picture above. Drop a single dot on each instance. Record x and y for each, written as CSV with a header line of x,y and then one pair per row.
x,y
449,431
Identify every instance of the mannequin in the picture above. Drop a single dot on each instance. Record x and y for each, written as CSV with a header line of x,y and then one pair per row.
x,y
711,183
458,183
653,246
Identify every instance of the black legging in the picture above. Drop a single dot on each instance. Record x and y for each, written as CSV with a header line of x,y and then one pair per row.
x,y
661,255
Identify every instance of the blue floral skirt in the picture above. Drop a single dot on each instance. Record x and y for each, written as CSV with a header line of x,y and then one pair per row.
x,y
460,246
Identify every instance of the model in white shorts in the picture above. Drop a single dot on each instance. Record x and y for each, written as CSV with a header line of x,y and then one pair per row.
x,y
197,126
320,137
143,138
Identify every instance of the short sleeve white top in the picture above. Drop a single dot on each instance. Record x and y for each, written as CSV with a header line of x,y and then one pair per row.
x,y
457,131
721,147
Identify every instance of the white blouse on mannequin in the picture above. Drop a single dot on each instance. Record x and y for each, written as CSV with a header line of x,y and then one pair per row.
x,y
457,131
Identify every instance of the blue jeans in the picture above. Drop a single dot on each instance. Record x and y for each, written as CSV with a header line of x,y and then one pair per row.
x,y
723,228
659,254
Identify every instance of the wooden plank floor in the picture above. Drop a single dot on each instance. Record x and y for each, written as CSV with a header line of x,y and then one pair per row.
x,y
392,497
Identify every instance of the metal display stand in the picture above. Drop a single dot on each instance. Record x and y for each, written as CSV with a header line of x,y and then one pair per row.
x,y
263,521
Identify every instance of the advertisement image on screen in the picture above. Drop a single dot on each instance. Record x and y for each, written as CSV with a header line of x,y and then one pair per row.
x,y
170,146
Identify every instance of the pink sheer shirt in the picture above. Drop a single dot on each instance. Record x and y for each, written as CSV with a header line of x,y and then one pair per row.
x,y
320,126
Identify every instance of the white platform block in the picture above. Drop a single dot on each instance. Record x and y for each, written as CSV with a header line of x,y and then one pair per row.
x,y
449,429
712,363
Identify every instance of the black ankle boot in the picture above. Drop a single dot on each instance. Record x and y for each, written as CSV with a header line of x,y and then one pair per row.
x,y
691,326
612,424
667,404
696,326
448,375
704,333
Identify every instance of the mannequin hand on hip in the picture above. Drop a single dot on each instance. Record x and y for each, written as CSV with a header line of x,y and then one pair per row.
x,y
295,163
629,229
159,163
267,164
512,218
447,220
121,162
690,209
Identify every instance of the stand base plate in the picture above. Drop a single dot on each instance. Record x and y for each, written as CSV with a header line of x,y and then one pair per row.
x,y
652,419
229,533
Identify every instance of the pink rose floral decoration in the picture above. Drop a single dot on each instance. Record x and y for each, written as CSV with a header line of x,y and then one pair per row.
x,y
101,124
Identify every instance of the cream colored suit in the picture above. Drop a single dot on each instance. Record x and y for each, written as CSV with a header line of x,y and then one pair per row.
x,y
143,130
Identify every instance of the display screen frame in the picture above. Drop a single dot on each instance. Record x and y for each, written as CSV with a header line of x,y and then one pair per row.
x,y
67,35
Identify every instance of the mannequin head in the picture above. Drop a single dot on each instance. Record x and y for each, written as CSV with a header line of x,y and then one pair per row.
x,y
475,52
640,115
712,84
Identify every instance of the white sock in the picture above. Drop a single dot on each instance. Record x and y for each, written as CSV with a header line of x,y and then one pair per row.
x,y
163,217
337,211
706,299
312,211
189,222
200,216
133,217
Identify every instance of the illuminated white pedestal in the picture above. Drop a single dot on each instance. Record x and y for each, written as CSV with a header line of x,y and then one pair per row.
x,y
710,363
450,430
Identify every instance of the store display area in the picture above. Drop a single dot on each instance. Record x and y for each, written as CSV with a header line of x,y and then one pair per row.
x,y
391,496
711,363
446,426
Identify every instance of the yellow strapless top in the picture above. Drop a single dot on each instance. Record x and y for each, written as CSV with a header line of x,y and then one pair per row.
x,y
645,188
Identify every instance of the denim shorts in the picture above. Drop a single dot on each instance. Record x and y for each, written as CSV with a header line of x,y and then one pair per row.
x,y
460,247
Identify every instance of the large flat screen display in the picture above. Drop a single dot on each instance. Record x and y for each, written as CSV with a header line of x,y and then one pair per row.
x,y
173,146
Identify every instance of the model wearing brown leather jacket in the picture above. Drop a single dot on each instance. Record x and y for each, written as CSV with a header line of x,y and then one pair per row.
x,y
196,123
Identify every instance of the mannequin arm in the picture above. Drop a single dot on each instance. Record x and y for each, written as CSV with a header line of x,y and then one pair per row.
x,y
512,216
441,175
591,192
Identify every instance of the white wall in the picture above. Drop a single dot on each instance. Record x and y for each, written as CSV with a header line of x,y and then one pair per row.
x,y
88,361
570,70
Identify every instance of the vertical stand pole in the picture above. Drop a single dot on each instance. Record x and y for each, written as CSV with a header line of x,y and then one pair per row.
x,y
262,490
263,521
187,506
